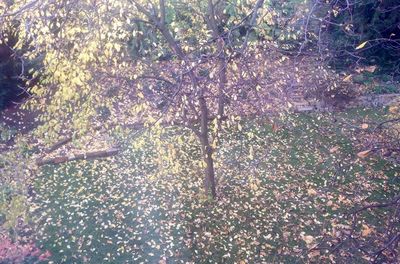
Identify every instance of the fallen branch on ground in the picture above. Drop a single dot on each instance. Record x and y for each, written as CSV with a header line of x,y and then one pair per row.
x,y
59,144
87,155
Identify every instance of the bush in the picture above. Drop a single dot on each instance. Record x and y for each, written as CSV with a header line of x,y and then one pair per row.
x,y
15,252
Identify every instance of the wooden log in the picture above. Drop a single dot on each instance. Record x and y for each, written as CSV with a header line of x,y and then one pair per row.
x,y
59,144
87,155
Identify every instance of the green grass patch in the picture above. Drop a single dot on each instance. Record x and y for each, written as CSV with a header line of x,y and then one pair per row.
x,y
276,190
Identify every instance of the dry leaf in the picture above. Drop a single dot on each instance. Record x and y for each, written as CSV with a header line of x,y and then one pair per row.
x,y
334,149
311,192
308,239
275,127
162,261
364,126
393,109
364,154
313,254
366,230
370,68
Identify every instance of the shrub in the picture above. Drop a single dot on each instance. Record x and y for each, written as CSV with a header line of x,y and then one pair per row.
x,y
15,252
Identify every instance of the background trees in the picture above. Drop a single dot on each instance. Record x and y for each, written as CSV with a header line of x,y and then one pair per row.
x,y
340,27
10,67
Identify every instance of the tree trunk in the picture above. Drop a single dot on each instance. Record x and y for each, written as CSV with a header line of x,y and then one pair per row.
x,y
209,181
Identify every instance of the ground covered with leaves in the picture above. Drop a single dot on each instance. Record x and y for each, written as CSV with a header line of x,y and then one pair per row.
x,y
284,192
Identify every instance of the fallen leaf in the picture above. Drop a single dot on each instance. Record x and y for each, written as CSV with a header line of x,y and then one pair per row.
x,y
364,126
308,239
370,69
366,230
275,127
311,192
313,254
334,149
393,109
364,154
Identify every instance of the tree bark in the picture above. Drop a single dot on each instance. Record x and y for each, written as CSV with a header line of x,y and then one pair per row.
x,y
209,182
222,62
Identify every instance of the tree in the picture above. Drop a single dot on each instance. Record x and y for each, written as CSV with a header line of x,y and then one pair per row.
x,y
87,66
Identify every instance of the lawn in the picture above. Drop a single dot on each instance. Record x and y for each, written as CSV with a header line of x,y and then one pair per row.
x,y
281,192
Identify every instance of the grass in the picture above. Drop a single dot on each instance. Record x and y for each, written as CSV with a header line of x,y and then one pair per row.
x,y
276,190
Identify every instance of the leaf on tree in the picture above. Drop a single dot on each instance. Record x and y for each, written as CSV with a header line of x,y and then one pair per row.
x,y
362,45
347,78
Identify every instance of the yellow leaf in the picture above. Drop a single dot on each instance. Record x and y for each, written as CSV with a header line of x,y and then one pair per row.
x,y
347,78
364,154
254,187
362,45
251,153
234,67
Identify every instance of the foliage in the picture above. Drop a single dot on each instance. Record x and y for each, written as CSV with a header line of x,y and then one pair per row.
x,y
15,174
